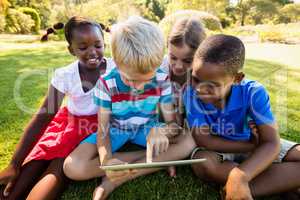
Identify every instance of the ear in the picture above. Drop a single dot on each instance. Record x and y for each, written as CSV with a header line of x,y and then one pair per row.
x,y
71,50
239,77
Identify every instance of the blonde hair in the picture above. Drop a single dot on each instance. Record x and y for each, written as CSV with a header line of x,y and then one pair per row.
x,y
137,43
187,31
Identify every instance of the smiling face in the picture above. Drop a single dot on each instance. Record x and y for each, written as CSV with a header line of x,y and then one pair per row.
x,y
211,82
88,46
180,58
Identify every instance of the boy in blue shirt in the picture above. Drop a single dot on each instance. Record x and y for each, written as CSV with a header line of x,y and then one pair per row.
x,y
219,103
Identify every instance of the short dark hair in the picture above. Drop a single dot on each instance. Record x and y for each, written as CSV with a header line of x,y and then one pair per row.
x,y
227,50
78,22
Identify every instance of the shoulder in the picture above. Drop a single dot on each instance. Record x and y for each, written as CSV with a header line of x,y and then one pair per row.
x,y
111,73
188,93
110,65
165,65
161,75
68,70
251,87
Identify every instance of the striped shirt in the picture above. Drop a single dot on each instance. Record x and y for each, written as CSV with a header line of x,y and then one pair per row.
x,y
131,109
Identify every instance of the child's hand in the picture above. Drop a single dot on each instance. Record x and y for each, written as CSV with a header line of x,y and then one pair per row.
x,y
237,187
171,130
157,142
8,177
115,175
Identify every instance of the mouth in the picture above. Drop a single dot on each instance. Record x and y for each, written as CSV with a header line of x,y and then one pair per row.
x,y
93,61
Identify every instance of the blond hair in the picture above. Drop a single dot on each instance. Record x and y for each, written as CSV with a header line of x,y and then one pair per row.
x,y
189,31
137,43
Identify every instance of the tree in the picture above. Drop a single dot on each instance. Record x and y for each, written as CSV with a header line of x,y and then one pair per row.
x,y
152,9
263,11
290,13
4,4
215,7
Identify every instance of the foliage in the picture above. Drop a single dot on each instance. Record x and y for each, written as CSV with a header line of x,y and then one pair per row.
x,y
18,22
2,23
43,7
262,11
152,9
4,4
209,21
272,36
282,33
214,7
34,15
289,13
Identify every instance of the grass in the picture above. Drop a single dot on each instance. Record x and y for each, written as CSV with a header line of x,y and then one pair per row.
x,y
18,60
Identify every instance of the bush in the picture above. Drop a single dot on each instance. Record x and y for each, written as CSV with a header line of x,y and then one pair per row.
x,y
209,21
34,15
289,13
2,23
18,22
272,36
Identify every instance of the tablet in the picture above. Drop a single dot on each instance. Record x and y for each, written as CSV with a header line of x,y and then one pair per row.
x,y
151,165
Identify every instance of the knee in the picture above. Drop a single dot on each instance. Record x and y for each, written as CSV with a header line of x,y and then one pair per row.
x,y
75,168
204,170
293,154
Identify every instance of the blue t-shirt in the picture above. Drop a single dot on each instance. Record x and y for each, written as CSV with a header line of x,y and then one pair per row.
x,y
248,100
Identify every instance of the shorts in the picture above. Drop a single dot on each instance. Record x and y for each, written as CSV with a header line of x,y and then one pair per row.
x,y
118,137
286,146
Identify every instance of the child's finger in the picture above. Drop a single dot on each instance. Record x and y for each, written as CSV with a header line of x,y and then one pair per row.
x,y
149,152
156,148
165,145
161,147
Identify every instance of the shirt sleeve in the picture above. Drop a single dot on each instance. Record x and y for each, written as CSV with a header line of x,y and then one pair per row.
x,y
260,108
59,80
102,97
166,92
195,114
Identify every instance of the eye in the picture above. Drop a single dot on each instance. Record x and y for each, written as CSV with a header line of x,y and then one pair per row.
x,y
98,46
173,58
82,48
187,61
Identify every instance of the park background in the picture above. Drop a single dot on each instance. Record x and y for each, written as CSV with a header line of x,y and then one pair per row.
x,y
270,30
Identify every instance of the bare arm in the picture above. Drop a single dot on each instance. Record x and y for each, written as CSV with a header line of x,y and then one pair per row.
x,y
169,117
103,139
39,121
263,155
203,138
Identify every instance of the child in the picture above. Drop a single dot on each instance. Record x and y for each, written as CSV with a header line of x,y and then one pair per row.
x,y
186,35
36,169
218,104
183,40
128,98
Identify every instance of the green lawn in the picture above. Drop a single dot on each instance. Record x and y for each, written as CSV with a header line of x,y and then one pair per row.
x,y
21,59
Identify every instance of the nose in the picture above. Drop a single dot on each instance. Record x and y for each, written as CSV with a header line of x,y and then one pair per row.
x,y
178,65
92,52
